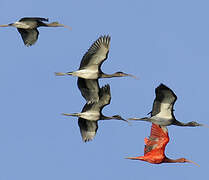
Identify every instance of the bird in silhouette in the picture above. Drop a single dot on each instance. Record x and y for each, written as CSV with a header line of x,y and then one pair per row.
x,y
154,151
92,113
90,67
27,27
89,89
162,109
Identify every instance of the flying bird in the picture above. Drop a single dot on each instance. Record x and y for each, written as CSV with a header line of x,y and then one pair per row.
x,y
27,27
92,112
89,89
162,109
90,66
154,151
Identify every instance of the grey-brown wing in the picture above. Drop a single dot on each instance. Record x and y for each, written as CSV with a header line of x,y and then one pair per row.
x,y
164,100
29,36
104,99
89,89
97,53
88,129
105,96
33,19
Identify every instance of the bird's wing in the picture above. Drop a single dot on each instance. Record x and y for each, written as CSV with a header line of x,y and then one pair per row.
x,y
33,19
97,53
104,99
89,89
164,101
88,129
158,139
29,36
104,96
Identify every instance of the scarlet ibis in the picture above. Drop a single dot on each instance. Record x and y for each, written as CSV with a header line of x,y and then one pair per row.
x,y
92,112
27,27
89,89
90,67
162,109
154,151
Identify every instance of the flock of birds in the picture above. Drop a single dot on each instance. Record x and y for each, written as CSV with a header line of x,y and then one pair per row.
x,y
98,97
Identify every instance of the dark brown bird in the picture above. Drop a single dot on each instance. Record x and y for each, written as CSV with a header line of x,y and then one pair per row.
x,y
162,109
90,67
27,27
154,151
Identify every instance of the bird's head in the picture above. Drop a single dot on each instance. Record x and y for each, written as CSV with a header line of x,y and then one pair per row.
x,y
118,117
122,74
193,124
57,24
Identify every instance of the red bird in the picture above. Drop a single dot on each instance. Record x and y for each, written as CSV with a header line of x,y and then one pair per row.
x,y
154,151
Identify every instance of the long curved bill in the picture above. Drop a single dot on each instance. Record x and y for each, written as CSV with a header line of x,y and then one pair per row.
x,y
4,25
68,27
192,162
65,26
130,75
204,125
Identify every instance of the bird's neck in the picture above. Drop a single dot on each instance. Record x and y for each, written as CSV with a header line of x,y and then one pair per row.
x,y
178,123
168,160
109,75
106,117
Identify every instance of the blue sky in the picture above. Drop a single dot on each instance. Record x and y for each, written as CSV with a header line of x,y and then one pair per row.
x,y
158,41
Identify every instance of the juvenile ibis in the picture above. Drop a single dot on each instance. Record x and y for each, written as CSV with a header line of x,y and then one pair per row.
x,y
162,109
27,27
90,66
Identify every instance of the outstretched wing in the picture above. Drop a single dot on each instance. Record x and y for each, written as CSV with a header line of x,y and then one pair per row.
x,y
29,36
88,129
89,89
33,19
164,101
104,96
104,99
157,141
97,53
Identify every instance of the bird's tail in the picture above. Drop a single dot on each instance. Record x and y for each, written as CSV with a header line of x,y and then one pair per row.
x,y
135,158
4,25
63,74
71,114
